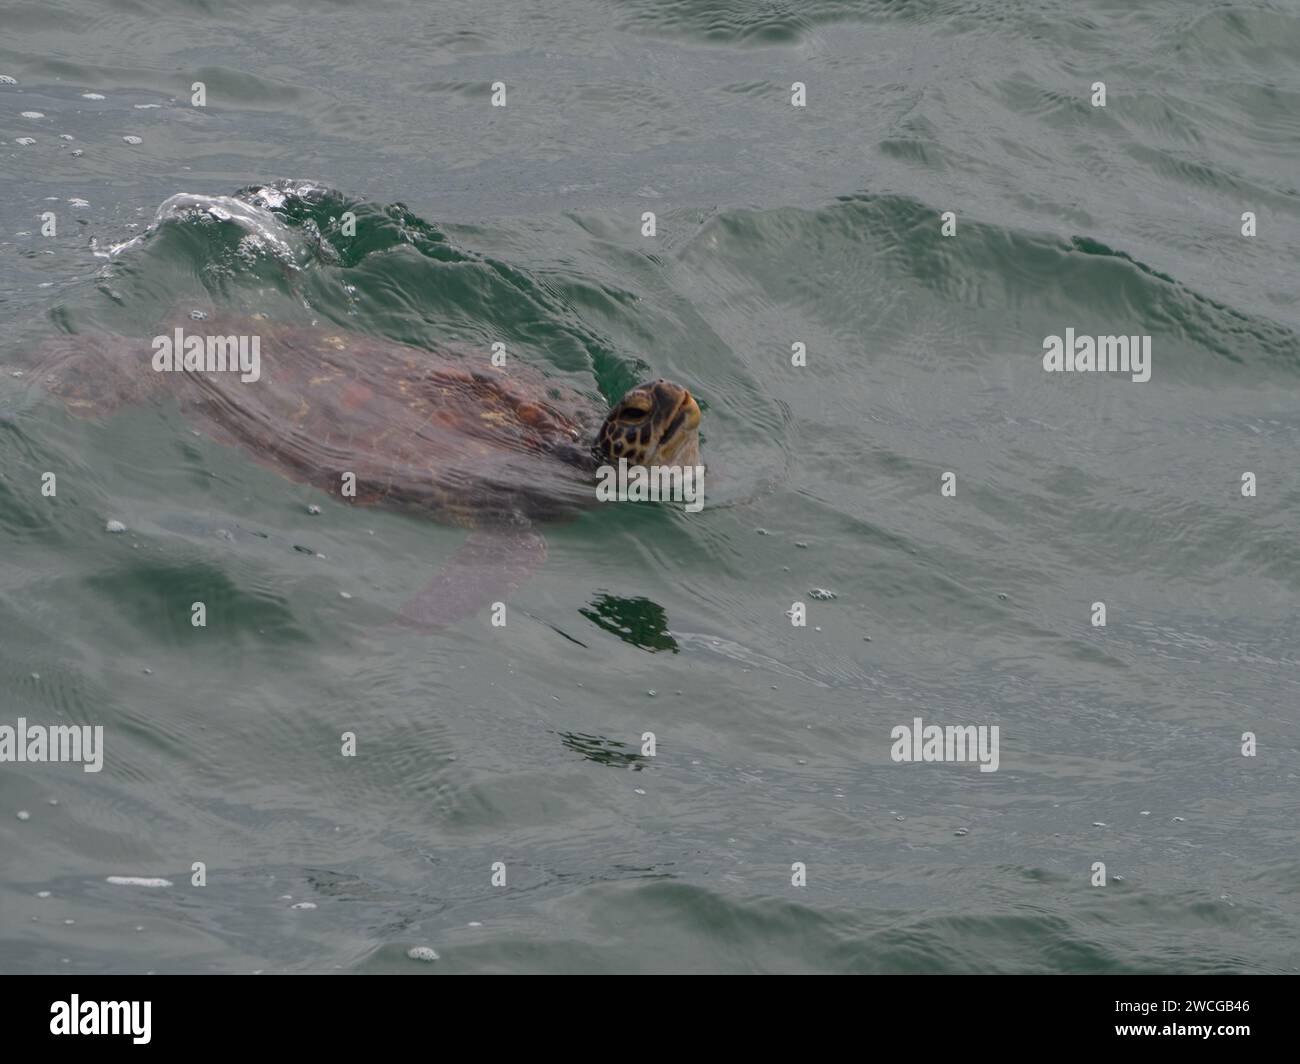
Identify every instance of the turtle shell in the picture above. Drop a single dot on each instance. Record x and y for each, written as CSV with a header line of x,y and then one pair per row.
x,y
438,431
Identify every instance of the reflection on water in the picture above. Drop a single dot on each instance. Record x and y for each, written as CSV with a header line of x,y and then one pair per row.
x,y
636,621
604,751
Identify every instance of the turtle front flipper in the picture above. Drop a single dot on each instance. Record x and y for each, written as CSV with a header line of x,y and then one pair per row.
x,y
489,567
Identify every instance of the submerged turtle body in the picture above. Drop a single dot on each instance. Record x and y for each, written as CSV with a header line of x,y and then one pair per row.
x,y
370,421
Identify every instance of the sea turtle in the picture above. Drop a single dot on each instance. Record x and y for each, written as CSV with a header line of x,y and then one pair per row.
x,y
379,423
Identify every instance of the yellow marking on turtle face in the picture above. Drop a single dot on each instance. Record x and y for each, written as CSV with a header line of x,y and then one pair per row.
x,y
495,416
336,342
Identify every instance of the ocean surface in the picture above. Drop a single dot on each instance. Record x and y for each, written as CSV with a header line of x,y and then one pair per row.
x,y
503,807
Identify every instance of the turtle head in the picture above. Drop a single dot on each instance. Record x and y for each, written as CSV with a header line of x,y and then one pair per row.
x,y
655,424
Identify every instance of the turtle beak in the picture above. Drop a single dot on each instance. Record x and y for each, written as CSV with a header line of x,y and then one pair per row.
x,y
685,419
692,409
679,444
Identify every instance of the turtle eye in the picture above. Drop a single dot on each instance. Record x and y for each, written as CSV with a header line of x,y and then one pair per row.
x,y
632,413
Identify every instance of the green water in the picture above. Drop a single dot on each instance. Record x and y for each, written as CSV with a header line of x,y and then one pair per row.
x,y
522,745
